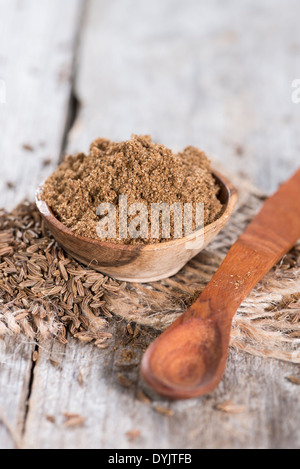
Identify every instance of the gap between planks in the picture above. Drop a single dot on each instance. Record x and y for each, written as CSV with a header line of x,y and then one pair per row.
x,y
72,112
17,362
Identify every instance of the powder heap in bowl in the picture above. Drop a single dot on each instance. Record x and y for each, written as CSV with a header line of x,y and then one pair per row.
x,y
143,171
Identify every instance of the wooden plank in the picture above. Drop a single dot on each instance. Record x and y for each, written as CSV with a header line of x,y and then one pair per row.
x,y
36,57
195,74
15,373
111,410
36,63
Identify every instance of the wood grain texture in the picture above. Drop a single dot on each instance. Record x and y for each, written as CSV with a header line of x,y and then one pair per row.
x,y
214,74
111,410
36,63
15,374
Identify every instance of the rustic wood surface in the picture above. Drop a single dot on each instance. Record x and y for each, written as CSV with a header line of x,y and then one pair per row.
x,y
214,74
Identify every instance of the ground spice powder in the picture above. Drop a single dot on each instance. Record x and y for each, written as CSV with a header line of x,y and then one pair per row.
x,y
144,171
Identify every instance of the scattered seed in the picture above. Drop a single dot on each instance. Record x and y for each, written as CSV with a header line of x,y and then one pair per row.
x,y
133,434
163,411
142,397
50,418
54,362
294,380
27,147
80,288
80,378
74,420
124,381
129,329
47,162
230,407
63,271
6,250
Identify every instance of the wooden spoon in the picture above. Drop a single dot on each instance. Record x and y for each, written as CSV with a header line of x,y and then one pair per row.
x,y
189,358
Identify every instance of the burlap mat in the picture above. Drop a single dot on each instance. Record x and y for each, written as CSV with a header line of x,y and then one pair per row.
x,y
267,324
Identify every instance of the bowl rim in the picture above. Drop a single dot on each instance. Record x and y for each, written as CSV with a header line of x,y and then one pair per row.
x,y
232,195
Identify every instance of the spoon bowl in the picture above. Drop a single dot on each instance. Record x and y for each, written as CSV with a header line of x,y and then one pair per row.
x,y
139,263
186,358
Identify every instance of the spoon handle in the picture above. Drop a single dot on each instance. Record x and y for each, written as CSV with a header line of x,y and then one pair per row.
x,y
272,233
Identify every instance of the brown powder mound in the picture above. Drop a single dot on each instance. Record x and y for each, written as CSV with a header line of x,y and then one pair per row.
x,y
144,171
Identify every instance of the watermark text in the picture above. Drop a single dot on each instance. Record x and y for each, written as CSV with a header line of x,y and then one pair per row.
x,y
296,92
160,221
2,92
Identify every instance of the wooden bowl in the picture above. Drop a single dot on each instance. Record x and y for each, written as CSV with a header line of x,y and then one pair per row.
x,y
139,263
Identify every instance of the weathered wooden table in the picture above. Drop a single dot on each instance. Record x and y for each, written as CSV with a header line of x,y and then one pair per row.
x,y
214,74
